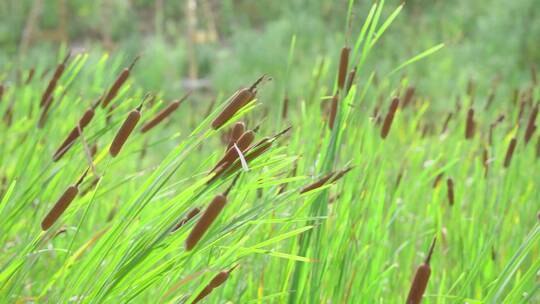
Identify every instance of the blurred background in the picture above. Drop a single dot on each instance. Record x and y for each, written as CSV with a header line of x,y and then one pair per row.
x,y
207,44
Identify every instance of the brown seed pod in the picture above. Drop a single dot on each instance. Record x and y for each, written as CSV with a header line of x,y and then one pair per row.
x,y
61,205
450,191
217,281
231,155
510,152
237,101
421,278
285,109
341,173
30,76
538,148
54,80
207,218
191,214
237,131
44,113
485,161
343,65
389,118
118,83
446,122
333,111
489,100
470,126
1,91
321,182
74,134
531,125
350,79
125,130
159,117
409,93
438,179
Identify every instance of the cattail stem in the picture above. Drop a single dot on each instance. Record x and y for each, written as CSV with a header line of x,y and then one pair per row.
x,y
191,214
389,118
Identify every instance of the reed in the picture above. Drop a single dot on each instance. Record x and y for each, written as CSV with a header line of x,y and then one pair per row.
x,y
470,124
62,204
125,130
46,96
450,191
159,117
118,83
343,66
510,152
531,125
387,124
237,101
74,134
421,278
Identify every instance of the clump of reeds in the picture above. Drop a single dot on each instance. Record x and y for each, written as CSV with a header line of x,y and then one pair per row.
x,y
343,65
510,152
191,214
237,101
125,130
531,125
470,124
333,111
161,115
75,133
118,83
389,118
208,217
421,278
217,281
61,205
46,96
450,191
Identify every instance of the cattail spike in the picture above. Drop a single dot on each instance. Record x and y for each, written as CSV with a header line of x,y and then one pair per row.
x,y
510,152
343,65
389,118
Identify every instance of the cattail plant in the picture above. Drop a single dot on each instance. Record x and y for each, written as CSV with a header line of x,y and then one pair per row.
x,y
285,109
450,191
389,118
538,148
531,125
236,132
30,76
343,65
333,111
319,183
350,79
438,179
61,205
75,133
217,281
118,83
446,122
485,161
159,117
191,214
44,113
510,152
470,124
421,278
409,94
492,127
237,101
1,92
54,80
232,154
208,217
125,130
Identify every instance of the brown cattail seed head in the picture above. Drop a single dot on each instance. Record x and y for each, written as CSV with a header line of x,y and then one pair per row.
x,y
160,116
469,128
124,132
438,179
207,218
188,217
389,118
531,125
333,112
409,93
239,100
350,79
74,134
510,152
420,281
236,132
61,205
343,65
317,184
450,189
